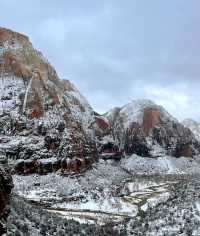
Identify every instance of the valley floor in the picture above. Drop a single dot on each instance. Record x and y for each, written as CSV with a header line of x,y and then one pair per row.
x,y
110,199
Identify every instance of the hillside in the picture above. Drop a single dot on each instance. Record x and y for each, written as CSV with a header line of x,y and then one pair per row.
x,y
41,116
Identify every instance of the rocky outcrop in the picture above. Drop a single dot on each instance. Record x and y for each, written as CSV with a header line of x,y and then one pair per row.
x,y
41,116
135,141
5,190
142,126
102,126
151,118
178,140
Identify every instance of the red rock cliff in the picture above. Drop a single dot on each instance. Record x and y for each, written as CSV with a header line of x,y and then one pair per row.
x,y
151,118
36,104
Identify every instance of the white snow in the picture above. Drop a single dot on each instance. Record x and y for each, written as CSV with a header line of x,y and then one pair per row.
x,y
112,205
80,217
193,126
133,112
161,165
94,192
88,217
84,116
10,88
26,94
48,160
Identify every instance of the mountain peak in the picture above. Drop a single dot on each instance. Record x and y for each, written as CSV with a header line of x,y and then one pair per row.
x,y
35,102
7,35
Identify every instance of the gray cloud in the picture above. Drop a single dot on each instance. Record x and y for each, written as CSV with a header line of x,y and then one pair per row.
x,y
116,51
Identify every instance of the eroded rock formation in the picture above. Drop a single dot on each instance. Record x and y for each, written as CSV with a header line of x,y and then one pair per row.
x,y
151,118
40,115
142,126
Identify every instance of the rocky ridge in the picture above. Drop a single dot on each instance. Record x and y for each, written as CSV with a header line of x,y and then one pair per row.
x,y
144,128
41,116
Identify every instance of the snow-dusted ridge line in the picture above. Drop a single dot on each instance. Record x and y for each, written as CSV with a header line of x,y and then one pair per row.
x,y
133,111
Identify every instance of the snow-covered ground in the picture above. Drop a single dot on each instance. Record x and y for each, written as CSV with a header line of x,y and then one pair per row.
x,y
112,192
161,165
108,188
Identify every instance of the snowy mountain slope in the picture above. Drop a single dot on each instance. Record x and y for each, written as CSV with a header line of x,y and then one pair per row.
x,y
193,126
141,124
133,112
27,76
35,103
42,117
161,165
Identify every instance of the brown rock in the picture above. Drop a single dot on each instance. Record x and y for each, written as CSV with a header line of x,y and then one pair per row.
x,y
4,35
185,150
102,123
8,35
151,118
40,103
138,126
12,63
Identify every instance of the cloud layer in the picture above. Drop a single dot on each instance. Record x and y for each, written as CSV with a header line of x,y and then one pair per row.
x,y
116,51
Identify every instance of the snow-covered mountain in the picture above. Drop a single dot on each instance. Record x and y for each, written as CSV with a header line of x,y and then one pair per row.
x,y
144,128
194,126
134,112
41,116
47,126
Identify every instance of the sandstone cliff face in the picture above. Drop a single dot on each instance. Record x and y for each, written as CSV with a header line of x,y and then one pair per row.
x,y
39,113
142,126
151,118
5,190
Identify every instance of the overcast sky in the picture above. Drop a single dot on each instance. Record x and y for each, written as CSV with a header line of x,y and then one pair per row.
x,y
117,51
